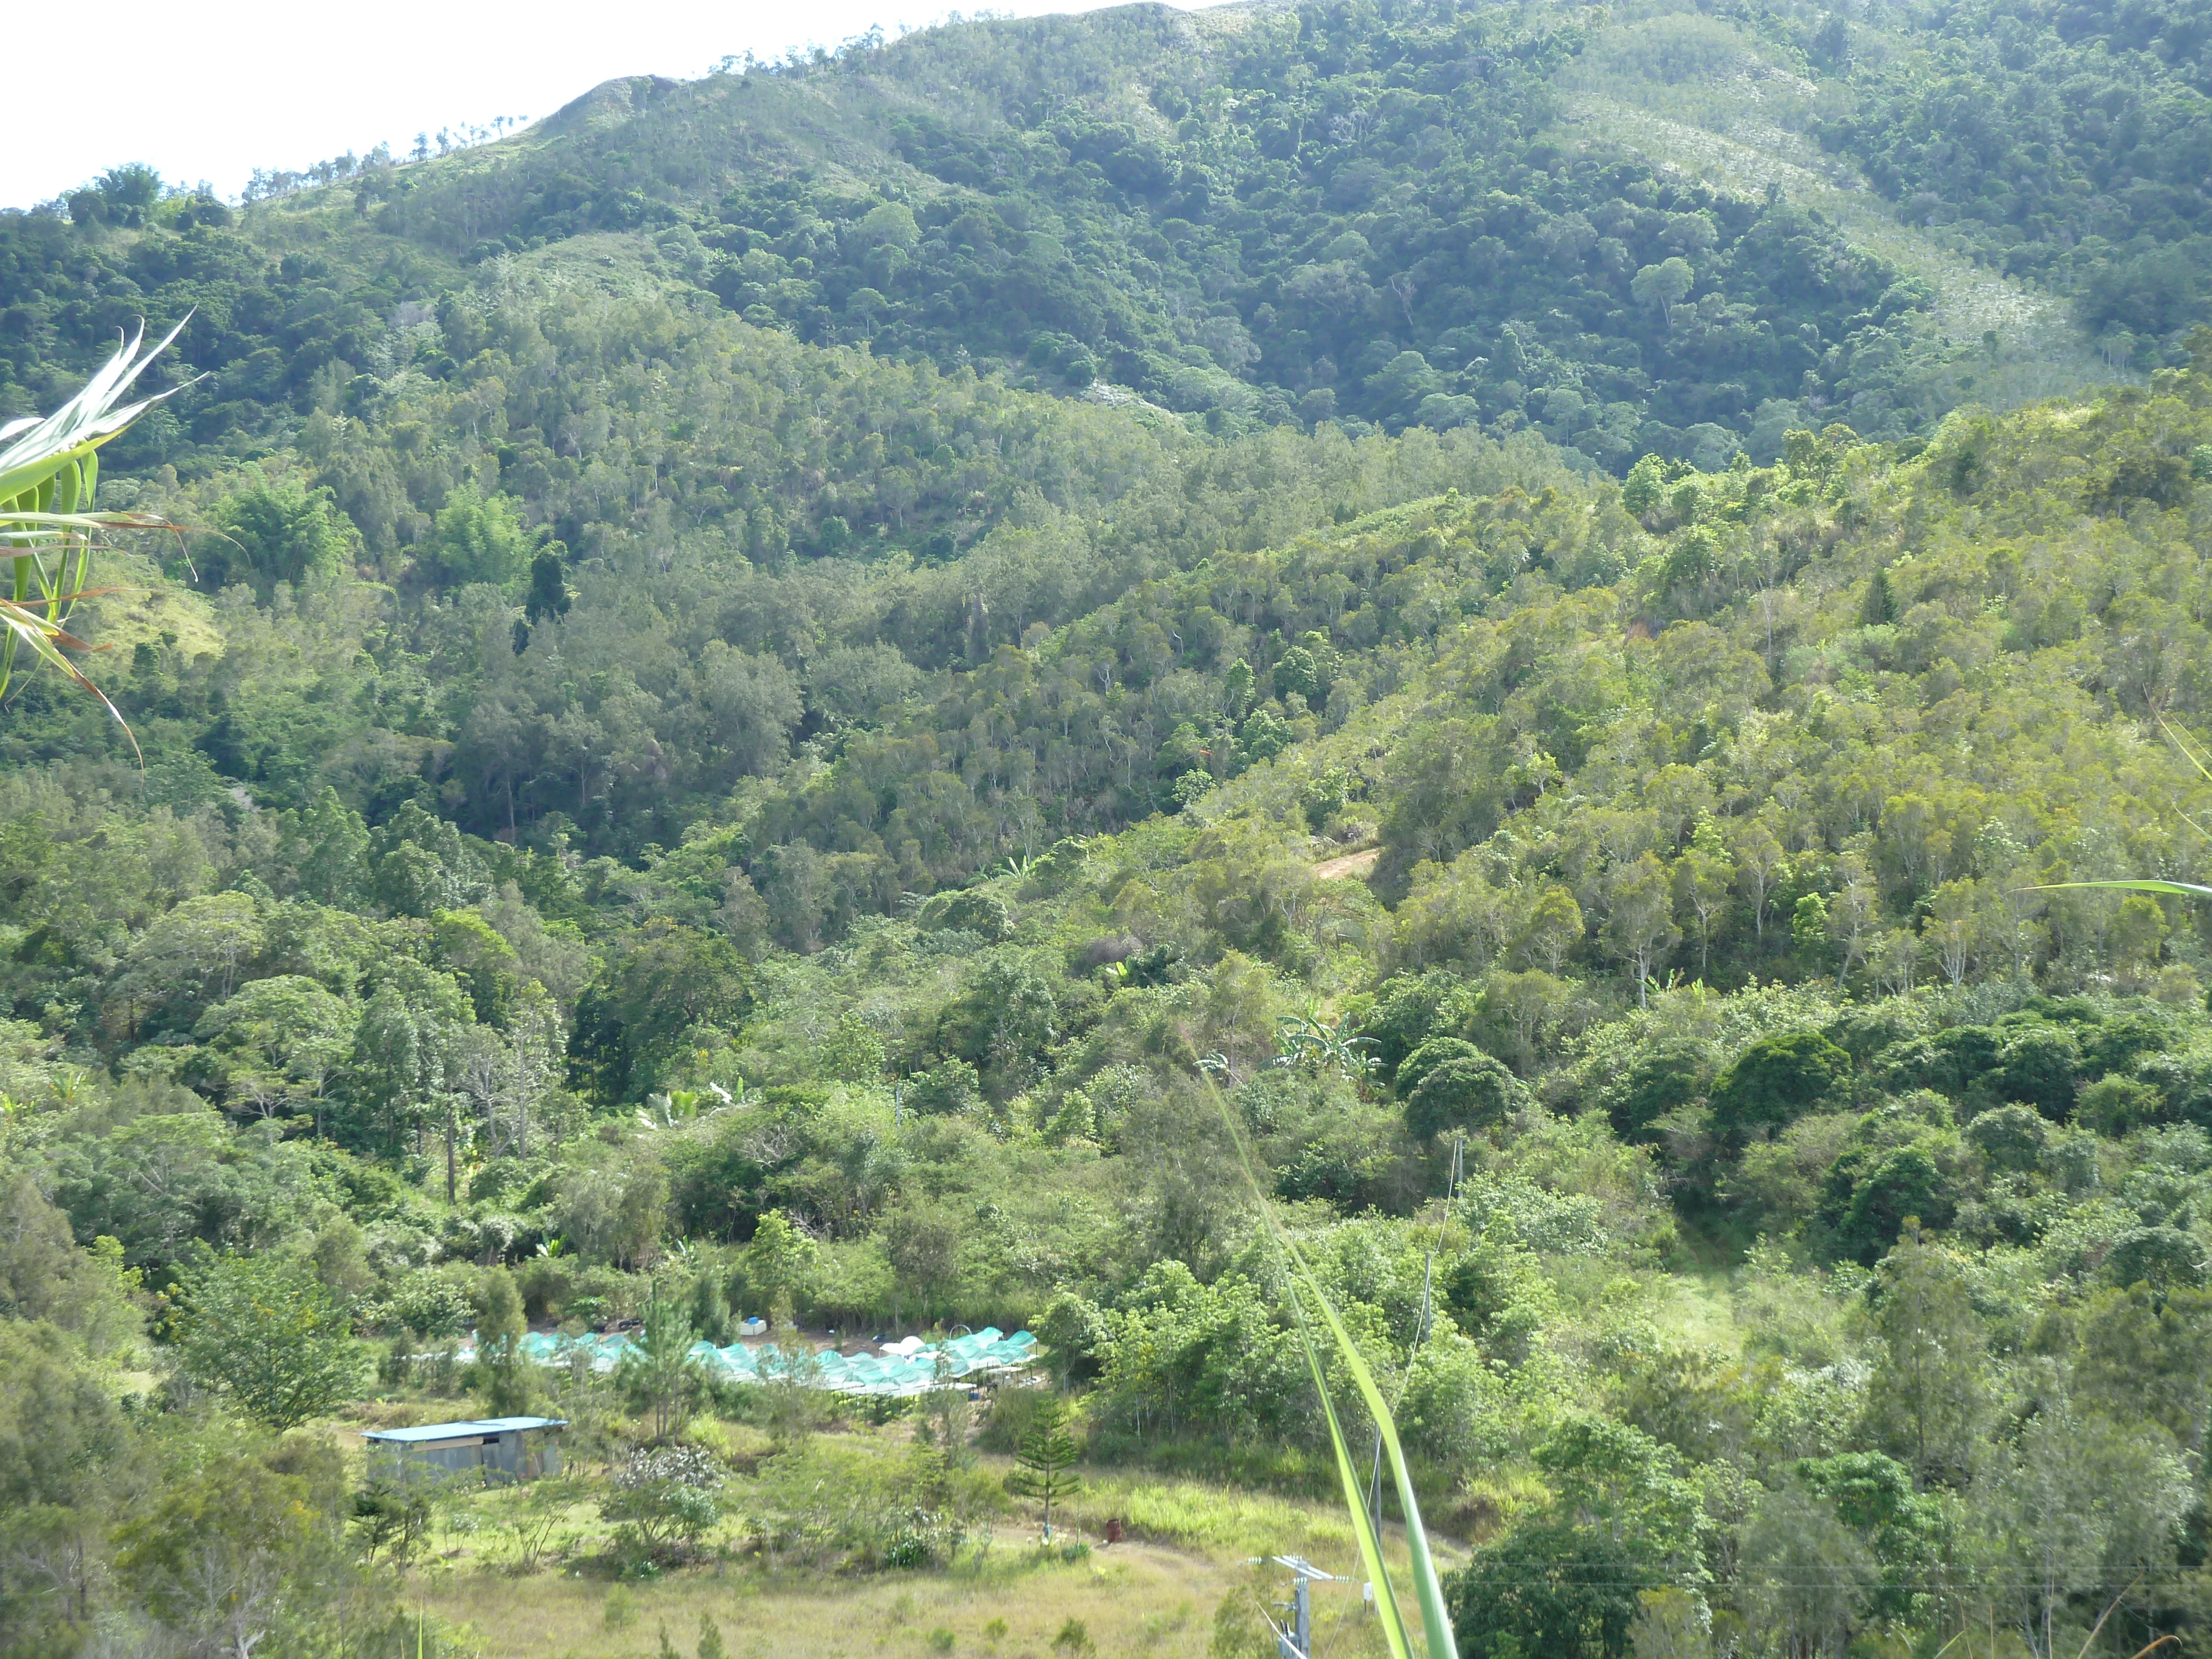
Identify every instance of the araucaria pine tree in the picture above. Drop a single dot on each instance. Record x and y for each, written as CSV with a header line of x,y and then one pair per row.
x,y
1045,1460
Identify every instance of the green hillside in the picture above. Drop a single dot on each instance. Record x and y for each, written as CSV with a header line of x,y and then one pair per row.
x,y
1256,218
664,803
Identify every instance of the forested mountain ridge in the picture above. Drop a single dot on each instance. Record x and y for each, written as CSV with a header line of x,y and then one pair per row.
x,y
1236,238
1251,217
2071,142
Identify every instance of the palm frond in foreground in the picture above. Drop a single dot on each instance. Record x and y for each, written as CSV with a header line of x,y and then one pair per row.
x,y
49,472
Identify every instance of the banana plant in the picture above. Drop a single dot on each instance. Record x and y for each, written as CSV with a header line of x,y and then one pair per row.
x,y
1323,1335
1307,1040
48,471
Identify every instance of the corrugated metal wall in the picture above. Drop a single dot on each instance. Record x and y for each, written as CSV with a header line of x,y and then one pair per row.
x,y
508,1456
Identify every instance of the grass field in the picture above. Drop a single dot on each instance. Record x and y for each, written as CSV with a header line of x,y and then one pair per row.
x,y
1132,1598
1187,1548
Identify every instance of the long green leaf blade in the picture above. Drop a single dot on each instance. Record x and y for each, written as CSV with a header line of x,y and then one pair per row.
x,y
1362,1527
24,626
69,437
1428,1589
2183,888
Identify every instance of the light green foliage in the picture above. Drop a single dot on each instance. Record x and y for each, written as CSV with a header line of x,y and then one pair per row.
x,y
266,1336
662,1500
1211,1356
277,533
1670,1624
855,1054
777,1260
477,539
612,1210
240,1548
1610,1478
659,1371
1461,1095
44,1275
276,1042
1415,1067
1809,1578
177,1177
1929,1394
821,1501
2084,1500
1663,286
503,1374
60,1433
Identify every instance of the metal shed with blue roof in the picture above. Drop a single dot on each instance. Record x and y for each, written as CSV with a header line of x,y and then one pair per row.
x,y
499,1448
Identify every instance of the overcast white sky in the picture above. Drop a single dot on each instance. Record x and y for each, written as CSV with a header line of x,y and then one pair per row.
x,y
211,89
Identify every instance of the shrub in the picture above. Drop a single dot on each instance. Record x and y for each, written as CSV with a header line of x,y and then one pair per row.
x,y
2163,1257
950,1087
2011,1138
2039,1063
429,1302
969,911
263,1333
2115,1105
1549,1587
662,1502
1405,1011
1865,1223
2116,1044
1432,1052
1948,1062
1469,1094
1075,1334
1670,1076
1775,1080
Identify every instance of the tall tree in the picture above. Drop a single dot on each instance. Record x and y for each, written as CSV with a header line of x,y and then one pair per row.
x,y
503,1369
659,1371
1929,1396
263,1333
1044,1461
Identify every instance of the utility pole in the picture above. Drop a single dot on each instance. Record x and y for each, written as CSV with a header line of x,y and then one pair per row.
x,y
1294,1638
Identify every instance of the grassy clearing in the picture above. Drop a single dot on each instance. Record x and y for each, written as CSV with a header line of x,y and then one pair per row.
x,y
1185,1549
1741,133
1215,1521
140,608
1132,1599
1696,1310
